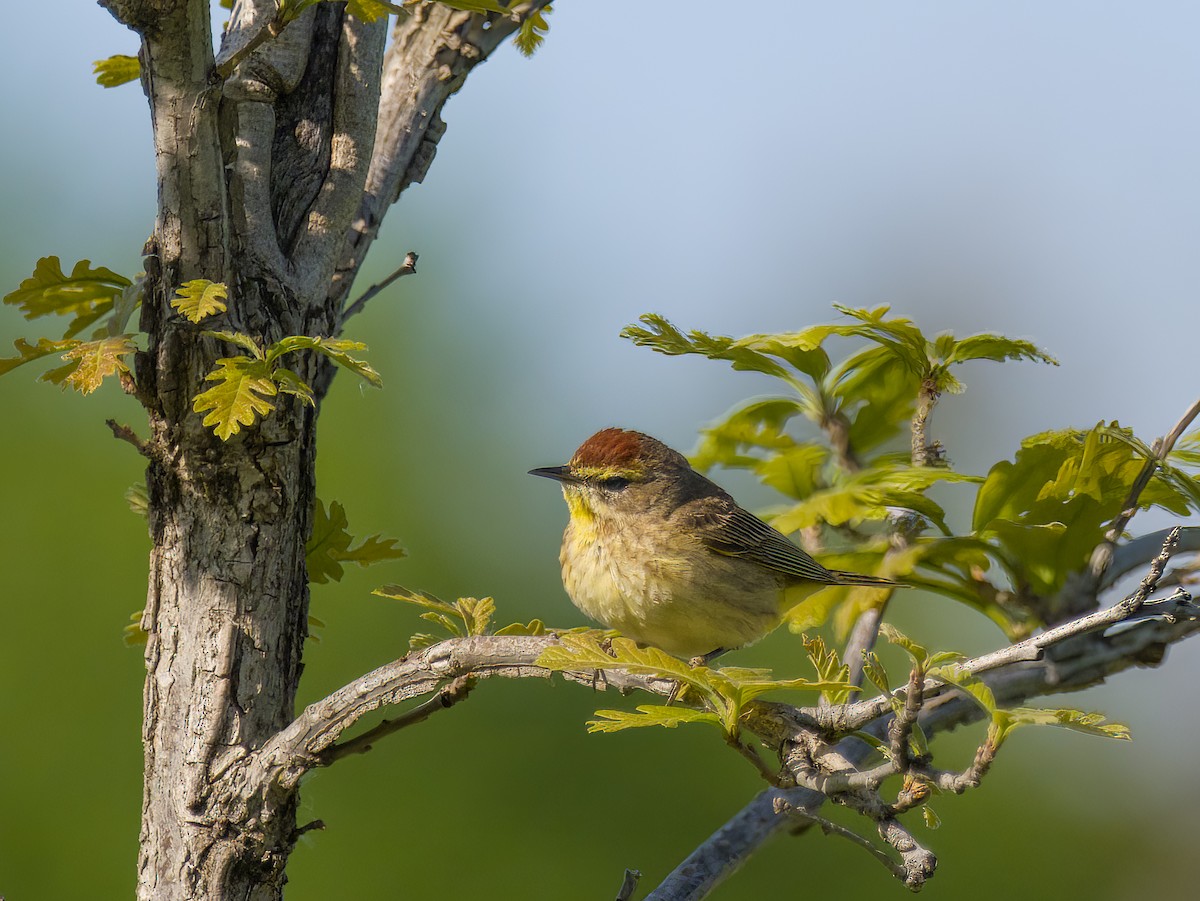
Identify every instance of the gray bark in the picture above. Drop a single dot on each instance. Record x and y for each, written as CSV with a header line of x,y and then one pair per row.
x,y
263,156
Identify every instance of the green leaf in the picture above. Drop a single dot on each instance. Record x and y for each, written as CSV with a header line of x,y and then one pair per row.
x,y
795,472
757,425
240,396
363,10
1075,720
133,635
997,348
417,597
667,339
533,627
237,338
370,10
476,614
918,654
116,70
650,715
533,31
86,291
446,622
875,673
583,651
336,349
138,499
290,383
974,688
90,362
829,669
329,546
200,298
932,820
27,352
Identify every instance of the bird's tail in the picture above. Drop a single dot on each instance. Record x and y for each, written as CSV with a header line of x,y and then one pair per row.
x,y
845,578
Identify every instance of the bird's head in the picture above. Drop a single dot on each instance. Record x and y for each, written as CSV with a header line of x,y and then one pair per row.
x,y
618,472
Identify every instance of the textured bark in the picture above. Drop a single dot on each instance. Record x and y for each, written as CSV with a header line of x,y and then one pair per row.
x,y
263,154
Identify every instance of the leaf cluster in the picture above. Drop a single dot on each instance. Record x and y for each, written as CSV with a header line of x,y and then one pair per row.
x,y
1036,518
944,667
723,696
245,383
88,297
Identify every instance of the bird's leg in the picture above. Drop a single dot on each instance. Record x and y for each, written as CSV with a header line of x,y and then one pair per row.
x,y
701,660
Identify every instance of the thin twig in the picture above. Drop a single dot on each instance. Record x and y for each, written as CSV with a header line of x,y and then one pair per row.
x,y
854,716
629,885
805,819
125,433
771,778
1103,555
1134,602
408,268
360,744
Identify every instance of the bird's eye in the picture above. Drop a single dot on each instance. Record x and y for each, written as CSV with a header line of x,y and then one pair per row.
x,y
614,483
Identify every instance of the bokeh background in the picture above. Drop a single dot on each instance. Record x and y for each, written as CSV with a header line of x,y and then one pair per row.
x,y
1029,168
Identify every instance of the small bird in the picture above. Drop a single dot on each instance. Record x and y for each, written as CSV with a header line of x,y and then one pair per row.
x,y
656,551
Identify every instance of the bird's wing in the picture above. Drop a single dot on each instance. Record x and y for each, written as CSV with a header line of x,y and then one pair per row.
x,y
742,534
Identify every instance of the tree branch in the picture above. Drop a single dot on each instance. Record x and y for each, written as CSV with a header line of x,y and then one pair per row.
x,y
432,52
1071,665
1067,658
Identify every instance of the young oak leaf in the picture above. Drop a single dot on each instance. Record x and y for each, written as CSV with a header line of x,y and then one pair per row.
x,y
533,31
650,715
116,70
533,627
239,397
86,291
476,614
200,298
1006,720
27,352
336,349
329,546
89,363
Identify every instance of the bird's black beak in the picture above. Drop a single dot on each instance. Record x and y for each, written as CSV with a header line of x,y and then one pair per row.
x,y
558,473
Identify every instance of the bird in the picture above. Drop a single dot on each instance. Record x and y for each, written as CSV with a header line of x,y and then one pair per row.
x,y
663,555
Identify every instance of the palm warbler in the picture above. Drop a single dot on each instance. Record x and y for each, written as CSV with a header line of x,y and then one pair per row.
x,y
656,551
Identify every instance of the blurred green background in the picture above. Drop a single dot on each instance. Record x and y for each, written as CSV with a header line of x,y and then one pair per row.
x,y
1020,167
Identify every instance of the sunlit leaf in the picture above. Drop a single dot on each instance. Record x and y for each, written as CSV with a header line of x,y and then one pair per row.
x,y
417,597
476,614
240,396
1076,720
27,352
200,298
243,341
90,362
996,347
650,715
533,627
84,291
336,349
116,70
138,499
533,31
